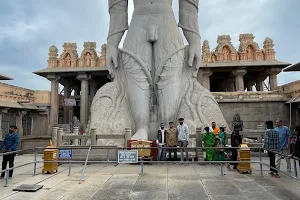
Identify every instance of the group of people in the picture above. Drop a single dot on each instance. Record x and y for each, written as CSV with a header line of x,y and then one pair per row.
x,y
171,138
216,137
279,144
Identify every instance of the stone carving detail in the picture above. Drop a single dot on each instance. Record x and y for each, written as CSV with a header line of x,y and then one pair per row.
x,y
248,50
69,57
103,56
269,52
89,55
53,53
154,80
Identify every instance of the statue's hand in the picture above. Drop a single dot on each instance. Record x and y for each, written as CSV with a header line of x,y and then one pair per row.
x,y
194,55
111,57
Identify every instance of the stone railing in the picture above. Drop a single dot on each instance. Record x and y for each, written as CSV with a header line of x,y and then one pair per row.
x,y
60,138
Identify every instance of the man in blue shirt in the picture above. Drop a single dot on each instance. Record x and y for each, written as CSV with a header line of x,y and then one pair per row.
x,y
284,138
10,143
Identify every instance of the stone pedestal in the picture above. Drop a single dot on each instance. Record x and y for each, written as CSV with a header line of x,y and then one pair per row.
x,y
84,99
203,77
239,78
54,99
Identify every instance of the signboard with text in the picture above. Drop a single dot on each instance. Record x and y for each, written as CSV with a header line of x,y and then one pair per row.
x,y
70,102
127,156
65,153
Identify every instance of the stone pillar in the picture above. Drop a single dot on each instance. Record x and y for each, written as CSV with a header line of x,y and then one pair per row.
x,y
84,99
93,136
54,136
239,78
260,83
273,77
75,132
54,99
67,93
60,133
203,77
19,122
128,135
198,137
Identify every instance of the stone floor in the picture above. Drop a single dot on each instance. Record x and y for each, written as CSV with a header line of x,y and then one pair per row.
x,y
163,181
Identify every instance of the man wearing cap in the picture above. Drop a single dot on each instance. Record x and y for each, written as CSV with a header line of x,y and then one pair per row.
x,y
161,141
183,137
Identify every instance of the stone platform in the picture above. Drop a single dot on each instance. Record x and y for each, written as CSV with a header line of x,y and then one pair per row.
x,y
160,181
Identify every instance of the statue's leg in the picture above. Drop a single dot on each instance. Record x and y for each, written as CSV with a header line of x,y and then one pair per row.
x,y
168,76
136,57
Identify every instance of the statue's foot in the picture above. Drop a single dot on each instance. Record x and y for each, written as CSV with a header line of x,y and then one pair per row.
x,y
141,134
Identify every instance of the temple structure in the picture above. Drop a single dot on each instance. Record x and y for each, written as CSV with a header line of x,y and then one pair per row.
x,y
243,80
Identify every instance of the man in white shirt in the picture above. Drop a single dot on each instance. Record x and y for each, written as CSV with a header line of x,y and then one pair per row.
x,y
161,141
183,137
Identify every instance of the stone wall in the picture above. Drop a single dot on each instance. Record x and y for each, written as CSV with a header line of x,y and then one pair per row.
x,y
255,113
254,108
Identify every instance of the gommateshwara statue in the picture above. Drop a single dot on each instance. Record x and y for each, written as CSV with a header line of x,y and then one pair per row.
x,y
154,74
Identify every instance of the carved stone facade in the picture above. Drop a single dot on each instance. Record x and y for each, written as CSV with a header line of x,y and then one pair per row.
x,y
248,50
69,56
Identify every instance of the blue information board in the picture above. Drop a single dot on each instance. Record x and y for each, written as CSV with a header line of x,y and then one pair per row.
x,y
65,153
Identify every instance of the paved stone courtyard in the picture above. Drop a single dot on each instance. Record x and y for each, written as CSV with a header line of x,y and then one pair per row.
x,y
163,181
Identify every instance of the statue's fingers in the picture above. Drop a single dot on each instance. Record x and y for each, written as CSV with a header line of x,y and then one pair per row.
x,y
115,60
198,59
191,59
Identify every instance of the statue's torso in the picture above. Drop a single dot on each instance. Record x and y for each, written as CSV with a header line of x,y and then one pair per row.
x,y
146,7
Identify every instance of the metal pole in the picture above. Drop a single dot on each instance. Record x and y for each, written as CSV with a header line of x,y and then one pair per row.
x,y
35,158
295,168
142,168
87,157
260,163
222,173
70,166
6,179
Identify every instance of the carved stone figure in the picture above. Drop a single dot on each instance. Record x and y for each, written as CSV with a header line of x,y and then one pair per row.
x,y
237,122
68,60
154,74
88,59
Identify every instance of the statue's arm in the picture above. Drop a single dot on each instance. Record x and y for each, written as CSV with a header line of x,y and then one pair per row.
x,y
188,21
118,11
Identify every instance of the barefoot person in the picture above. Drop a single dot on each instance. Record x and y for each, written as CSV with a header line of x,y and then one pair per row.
x,y
208,140
172,140
236,140
272,145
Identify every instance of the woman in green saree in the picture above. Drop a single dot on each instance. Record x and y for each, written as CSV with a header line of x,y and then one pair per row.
x,y
221,143
209,141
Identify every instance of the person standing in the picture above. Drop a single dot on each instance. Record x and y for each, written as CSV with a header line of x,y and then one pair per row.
x,y
214,128
236,140
208,140
296,147
183,137
10,143
172,140
284,137
161,141
272,145
222,143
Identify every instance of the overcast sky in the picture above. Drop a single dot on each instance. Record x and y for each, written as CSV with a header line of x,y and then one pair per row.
x,y
29,27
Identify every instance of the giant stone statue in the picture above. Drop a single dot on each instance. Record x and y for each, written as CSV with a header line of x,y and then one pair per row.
x,y
154,74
